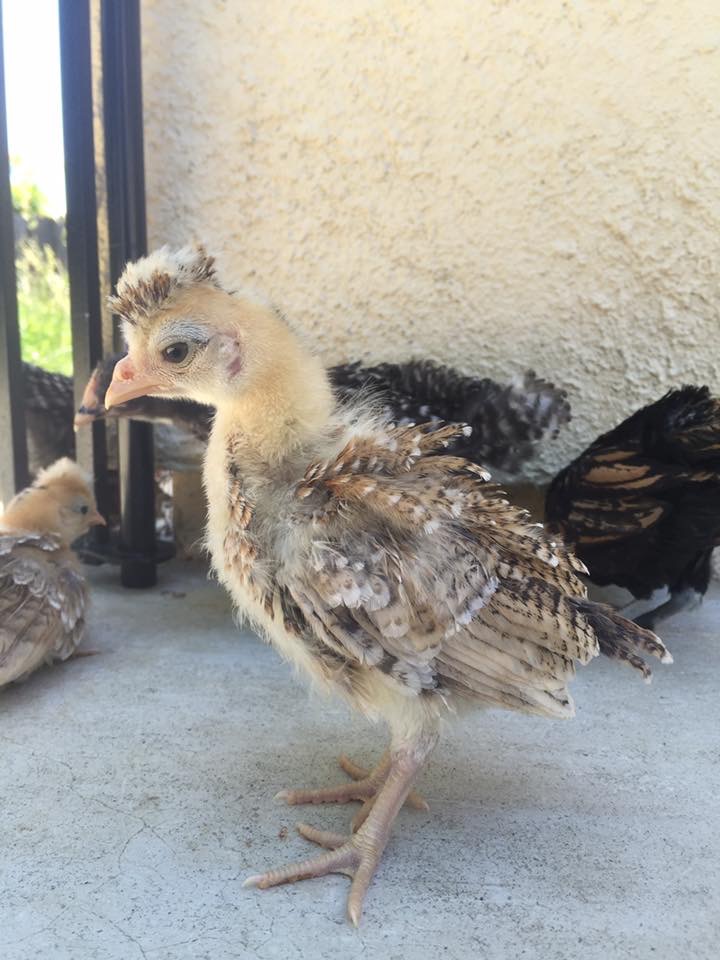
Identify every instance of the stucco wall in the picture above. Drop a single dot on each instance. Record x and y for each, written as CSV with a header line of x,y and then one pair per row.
x,y
497,185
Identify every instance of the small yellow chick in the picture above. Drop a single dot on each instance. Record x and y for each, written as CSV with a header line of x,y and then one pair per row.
x,y
42,593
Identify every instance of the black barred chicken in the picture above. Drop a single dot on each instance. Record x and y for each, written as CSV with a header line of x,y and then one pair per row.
x,y
641,506
42,593
508,420
49,409
388,570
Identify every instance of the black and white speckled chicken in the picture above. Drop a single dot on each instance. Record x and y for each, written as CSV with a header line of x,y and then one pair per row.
x,y
508,420
389,571
49,409
641,506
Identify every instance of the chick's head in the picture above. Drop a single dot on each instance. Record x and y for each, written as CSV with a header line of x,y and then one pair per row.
x,y
59,501
187,337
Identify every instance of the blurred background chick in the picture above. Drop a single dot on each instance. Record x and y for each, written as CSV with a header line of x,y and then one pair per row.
x,y
43,596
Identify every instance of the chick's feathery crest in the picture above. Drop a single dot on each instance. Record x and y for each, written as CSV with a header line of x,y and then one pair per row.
x,y
146,285
42,594
390,571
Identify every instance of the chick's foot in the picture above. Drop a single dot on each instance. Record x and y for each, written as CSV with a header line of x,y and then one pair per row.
x,y
356,856
364,787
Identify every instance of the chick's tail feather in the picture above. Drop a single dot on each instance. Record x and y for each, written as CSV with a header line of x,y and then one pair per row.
x,y
621,639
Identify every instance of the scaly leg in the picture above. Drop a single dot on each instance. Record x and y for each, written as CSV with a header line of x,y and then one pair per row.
x,y
364,787
686,599
358,855
685,594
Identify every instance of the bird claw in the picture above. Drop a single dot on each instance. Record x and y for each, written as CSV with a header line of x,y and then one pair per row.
x,y
358,855
355,856
364,787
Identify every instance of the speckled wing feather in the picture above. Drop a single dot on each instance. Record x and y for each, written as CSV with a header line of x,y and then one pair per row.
x,y
411,563
508,420
42,604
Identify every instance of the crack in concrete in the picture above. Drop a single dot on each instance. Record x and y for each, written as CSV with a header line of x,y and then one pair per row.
x,y
36,933
72,787
120,930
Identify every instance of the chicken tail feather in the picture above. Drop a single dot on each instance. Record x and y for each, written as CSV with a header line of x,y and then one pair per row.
x,y
621,639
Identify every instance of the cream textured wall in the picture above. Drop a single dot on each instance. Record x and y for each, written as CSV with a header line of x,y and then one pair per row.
x,y
495,184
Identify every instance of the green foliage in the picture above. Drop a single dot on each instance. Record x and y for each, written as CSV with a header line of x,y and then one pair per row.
x,y
44,308
42,286
29,201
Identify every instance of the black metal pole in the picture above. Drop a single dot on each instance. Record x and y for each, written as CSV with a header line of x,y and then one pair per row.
x,y
125,173
13,440
82,230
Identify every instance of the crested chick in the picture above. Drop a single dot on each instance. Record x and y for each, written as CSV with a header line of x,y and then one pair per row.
x,y
640,505
42,593
391,573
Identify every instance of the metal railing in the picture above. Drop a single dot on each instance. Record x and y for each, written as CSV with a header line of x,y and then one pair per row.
x,y
120,64
13,442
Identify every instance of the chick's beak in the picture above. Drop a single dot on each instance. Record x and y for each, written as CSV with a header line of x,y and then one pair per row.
x,y
97,520
127,384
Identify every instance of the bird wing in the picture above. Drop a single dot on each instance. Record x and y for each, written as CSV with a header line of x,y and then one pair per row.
x,y
47,392
613,494
408,561
42,604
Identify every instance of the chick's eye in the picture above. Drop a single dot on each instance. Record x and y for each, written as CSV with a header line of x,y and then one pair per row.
x,y
84,509
176,352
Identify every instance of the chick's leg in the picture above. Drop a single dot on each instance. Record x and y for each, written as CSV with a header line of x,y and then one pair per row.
x,y
358,855
364,787
685,594
687,599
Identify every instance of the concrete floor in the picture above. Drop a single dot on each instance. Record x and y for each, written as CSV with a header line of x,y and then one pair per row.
x,y
136,790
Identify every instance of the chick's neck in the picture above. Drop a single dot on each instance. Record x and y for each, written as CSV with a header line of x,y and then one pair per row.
x,y
282,409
